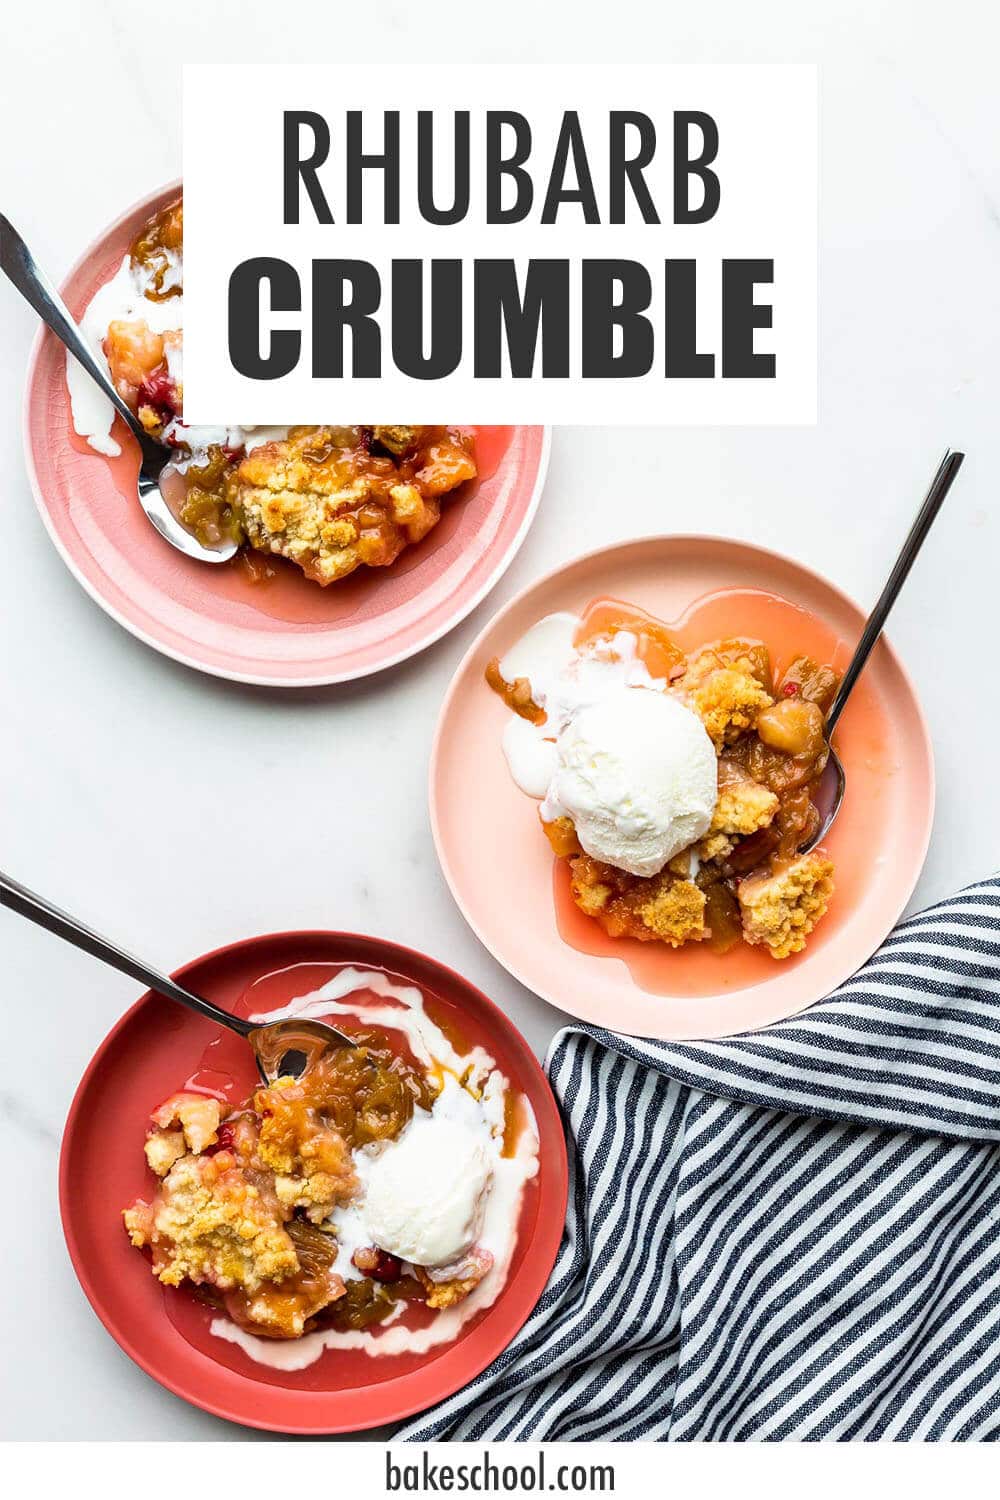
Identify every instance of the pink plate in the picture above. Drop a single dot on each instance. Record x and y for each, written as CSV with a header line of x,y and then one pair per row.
x,y
286,631
156,1048
515,895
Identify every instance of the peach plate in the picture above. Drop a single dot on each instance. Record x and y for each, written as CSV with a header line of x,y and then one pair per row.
x,y
515,895
286,631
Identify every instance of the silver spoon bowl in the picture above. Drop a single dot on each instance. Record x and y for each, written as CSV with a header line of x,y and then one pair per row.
x,y
18,263
833,781
281,1048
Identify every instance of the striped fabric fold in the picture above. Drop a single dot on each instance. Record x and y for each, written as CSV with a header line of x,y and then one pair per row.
x,y
788,1235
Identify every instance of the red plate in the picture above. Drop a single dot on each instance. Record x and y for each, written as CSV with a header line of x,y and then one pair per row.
x,y
154,1049
286,632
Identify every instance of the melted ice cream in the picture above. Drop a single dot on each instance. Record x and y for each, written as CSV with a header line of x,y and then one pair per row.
x,y
123,298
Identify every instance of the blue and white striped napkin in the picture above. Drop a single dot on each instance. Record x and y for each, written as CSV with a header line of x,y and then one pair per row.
x,y
789,1235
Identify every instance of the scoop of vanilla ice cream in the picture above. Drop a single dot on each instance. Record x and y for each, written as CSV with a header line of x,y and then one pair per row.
x,y
638,775
426,1193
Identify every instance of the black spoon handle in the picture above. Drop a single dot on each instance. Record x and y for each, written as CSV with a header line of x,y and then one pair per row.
x,y
940,485
27,904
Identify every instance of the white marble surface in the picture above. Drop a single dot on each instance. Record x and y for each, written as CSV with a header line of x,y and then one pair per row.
x,y
101,740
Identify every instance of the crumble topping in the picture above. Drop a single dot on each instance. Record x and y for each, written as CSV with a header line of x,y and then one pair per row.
x,y
662,906
726,699
743,807
210,1223
781,910
330,509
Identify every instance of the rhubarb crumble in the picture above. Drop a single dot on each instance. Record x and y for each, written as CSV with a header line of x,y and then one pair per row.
x,y
330,1202
330,498
677,786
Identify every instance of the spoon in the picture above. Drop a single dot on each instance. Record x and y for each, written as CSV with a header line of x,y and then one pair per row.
x,y
280,1047
833,782
17,261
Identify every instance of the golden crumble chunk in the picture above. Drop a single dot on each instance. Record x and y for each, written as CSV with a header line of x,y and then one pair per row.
x,y
780,910
329,504
447,1290
593,885
675,912
726,700
163,1148
303,499
449,1293
662,906
714,846
685,864
727,685
743,807
408,508
209,1223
